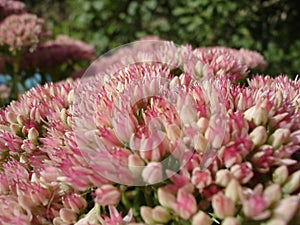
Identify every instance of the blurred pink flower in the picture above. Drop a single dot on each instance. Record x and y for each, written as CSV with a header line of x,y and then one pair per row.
x,y
52,53
4,92
8,7
21,32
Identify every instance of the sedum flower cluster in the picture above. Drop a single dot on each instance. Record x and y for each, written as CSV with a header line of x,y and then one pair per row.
x,y
25,50
155,134
21,32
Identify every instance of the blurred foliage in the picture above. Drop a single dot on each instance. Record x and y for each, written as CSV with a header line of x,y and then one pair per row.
x,y
269,26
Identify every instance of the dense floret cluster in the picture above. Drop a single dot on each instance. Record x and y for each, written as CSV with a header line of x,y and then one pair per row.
x,y
155,134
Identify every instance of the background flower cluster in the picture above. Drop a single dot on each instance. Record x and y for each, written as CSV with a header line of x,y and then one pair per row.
x,y
27,54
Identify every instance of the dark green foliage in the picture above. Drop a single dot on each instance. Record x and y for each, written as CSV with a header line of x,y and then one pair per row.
x,y
270,27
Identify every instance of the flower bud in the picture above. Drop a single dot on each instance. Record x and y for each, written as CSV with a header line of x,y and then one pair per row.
x,y
11,117
202,123
146,213
295,137
273,192
166,198
201,179
160,215
173,132
135,164
201,218
152,173
33,134
292,183
188,114
222,206
200,143
279,137
286,208
67,215
259,135
63,115
276,221
230,221
223,177
175,82
280,175
70,97
243,172
75,202
15,127
107,195
257,114
233,190
185,199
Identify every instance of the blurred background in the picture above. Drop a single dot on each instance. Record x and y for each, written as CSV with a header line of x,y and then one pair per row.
x,y
271,27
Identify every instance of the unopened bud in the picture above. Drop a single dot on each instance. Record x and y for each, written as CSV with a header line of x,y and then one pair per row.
x,y
203,124
273,192
11,117
152,173
279,137
292,184
230,221
223,177
280,175
160,215
173,132
70,98
233,190
166,198
201,218
276,221
188,114
223,206
287,208
107,194
259,135
146,213
135,164
67,215
33,134
258,115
